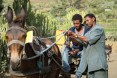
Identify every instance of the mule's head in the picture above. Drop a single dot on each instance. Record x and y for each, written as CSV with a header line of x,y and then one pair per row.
x,y
15,37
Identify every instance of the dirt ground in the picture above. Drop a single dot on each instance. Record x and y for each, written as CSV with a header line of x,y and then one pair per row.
x,y
112,63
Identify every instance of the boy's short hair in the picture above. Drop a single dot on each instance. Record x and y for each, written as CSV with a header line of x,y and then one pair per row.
x,y
77,17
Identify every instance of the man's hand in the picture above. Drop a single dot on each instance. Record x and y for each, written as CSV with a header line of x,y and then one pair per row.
x,y
70,33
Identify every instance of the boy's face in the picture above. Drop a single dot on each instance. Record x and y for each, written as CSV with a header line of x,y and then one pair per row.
x,y
76,24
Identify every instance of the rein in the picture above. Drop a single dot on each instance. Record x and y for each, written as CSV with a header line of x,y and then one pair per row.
x,y
53,36
43,51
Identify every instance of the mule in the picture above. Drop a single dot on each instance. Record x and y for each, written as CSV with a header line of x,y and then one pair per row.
x,y
46,65
108,49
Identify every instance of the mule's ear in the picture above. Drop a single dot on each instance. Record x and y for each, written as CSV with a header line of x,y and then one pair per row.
x,y
23,16
9,15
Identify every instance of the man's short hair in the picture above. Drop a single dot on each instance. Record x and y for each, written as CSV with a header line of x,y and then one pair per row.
x,y
77,17
90,15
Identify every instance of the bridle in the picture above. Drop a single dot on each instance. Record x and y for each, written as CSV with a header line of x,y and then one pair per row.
x,y
16,41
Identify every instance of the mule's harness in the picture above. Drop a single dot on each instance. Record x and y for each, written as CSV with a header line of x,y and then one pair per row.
x,y
43,51
23,43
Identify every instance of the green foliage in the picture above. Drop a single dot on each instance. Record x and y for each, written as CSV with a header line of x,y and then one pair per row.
x,y
58,11
3,47
104,9
1,5
18,4
7,3
42,22
65,22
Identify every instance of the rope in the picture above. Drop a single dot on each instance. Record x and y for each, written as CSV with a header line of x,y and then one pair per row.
x,y
52,36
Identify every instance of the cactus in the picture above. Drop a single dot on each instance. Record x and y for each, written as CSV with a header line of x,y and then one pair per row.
x,y
18,4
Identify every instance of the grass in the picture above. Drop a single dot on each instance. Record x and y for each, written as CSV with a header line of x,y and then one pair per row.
x,y
43,4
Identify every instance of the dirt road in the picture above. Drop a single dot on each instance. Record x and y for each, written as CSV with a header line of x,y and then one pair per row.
x,y
113,66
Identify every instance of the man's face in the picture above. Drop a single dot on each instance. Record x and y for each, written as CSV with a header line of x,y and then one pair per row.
x,y
89,21
76,24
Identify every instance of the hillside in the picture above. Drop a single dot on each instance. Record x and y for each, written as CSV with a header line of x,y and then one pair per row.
x,y
43,4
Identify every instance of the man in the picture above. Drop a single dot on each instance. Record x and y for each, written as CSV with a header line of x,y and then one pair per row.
x,y
94,57
76,47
